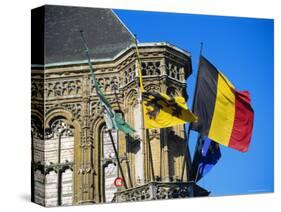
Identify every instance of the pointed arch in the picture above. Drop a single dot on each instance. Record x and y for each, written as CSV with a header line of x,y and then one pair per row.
x,y
69,119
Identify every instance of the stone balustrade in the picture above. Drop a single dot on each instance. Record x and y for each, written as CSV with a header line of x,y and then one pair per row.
x,y
160,190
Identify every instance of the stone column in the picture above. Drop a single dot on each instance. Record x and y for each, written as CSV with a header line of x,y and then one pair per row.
x,y
86,166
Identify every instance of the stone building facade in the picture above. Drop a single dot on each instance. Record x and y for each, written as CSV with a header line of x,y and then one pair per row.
x,y
72,159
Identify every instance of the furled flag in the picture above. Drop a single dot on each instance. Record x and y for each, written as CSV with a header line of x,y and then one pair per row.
x,y
207,154
161,110
225,115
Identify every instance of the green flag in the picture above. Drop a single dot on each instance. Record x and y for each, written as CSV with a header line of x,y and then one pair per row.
x,y
113,120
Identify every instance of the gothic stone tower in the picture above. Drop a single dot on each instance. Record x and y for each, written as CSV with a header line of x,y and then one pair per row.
x,y
72,159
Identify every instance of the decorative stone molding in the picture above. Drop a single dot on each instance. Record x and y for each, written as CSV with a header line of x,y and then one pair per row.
x,y
150,68
63,88
173,70
46,169
156,190
37,89
74,108
108,83
129,74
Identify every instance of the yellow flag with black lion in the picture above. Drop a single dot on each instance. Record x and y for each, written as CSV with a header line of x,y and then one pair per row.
x,y
161,110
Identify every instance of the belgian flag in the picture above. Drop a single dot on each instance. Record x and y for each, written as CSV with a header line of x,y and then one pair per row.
x,y
225,115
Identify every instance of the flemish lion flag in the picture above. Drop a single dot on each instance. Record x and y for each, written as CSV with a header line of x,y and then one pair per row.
x,y
161,110
225,115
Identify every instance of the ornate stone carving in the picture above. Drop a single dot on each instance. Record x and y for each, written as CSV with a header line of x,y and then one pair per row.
x,y
136,194
155,190
129,74
150,68
74,108
37,129
46,169
37,90
152,87
63,88
173,70
107,84
58,128
132,97
95,109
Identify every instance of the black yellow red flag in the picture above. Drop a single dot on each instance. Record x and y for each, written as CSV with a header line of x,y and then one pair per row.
x,y
225,115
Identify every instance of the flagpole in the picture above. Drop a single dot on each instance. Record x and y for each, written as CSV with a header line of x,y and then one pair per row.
x,y
93,78
150,156
94,81
146,132
126,140
140,85
139,67
185,156
199,142
189,127
117,158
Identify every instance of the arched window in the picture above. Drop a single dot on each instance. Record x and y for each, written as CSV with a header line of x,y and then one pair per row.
x,y
59,160
37,158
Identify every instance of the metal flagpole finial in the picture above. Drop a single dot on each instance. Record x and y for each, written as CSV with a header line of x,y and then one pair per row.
x,y
83,39
82,34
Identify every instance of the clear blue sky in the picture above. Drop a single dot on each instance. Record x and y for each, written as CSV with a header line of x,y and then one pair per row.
x,y
242,48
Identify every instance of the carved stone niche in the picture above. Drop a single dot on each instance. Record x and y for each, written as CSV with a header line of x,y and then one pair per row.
x,y
108,84
129,75
150,68
63,88
173,70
